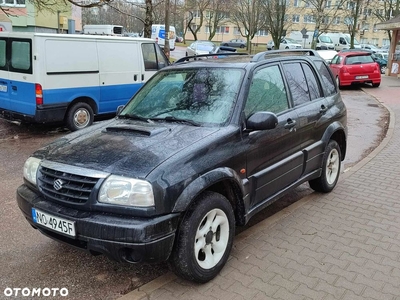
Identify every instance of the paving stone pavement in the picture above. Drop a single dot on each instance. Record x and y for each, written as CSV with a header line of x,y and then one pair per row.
x,y
341,245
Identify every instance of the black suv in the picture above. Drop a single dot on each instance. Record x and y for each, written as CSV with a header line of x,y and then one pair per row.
x,y
202,147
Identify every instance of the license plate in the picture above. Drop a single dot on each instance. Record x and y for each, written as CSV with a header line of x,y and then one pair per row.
x,y
3,88
55,223
362,77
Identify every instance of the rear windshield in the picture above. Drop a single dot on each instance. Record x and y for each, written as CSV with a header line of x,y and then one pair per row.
x,y
359,59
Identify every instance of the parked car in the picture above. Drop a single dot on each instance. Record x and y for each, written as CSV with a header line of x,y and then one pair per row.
x,y
200,149
200,47
238,43
381,58
178,39
286,43
373,48
355,67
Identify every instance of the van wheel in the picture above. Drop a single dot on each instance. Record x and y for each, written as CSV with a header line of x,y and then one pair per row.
x,y
79,116
204,239
330,169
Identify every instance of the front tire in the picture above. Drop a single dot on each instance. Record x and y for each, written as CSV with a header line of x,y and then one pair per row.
x,y
79,116
330,169
204,239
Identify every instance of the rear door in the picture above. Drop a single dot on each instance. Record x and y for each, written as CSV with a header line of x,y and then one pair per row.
x,y
18,87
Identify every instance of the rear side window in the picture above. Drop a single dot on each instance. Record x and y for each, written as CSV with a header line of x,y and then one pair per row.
x,y
21,58
312,82
327,80
297,83
2,54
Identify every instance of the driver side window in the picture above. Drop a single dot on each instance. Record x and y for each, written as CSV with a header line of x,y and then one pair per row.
x,y
267,92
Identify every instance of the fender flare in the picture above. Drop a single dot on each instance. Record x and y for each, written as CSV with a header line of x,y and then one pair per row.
x,y
197,186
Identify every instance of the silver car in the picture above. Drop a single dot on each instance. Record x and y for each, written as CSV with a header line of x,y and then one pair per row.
x,y
200,47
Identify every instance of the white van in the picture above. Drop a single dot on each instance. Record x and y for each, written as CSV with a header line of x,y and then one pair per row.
x,y
342,41
103,29
158,34
324,42
52,78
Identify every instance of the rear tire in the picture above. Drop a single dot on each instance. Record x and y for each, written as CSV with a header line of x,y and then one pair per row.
x,y
383,69
330,169
79,116
242,46
204,239
338,82
375,85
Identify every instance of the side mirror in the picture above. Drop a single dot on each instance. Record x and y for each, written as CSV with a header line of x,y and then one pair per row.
x,y
262,121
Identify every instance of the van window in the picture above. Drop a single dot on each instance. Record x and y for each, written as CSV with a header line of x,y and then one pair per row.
x,y
21,57
153,57
2,54
149,57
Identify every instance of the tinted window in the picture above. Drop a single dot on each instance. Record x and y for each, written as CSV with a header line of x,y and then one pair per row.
x,y
21,57
267,92
327,79
297,83
312,82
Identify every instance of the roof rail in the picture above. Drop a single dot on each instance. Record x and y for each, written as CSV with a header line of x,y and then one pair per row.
x,y
287,52
212,55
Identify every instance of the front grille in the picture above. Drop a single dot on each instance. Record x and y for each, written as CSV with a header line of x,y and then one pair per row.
x,y
72,188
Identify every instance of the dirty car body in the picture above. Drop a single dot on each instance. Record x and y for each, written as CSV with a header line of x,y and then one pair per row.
x,y
201,148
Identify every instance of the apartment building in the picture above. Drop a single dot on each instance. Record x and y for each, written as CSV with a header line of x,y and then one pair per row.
x,y
22,15
300,15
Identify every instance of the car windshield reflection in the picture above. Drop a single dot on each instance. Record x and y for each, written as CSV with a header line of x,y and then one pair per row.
x,y
196,96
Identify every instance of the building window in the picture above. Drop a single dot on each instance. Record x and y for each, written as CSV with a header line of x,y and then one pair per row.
x,y
296,3
350,5
375,41
336,21
194,27
17,3
262,32
296,18
207,29
222,29
385,42
328,4
309,19
236,31
325,20
307,4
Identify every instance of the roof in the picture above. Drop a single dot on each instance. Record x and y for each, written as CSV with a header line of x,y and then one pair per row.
x,y
391,24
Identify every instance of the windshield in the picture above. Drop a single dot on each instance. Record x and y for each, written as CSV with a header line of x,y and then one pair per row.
x,y
291,41
325,39
204,46
202,96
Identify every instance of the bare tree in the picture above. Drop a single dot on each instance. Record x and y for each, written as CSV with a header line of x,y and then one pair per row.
x,y
277,23
216,15
196,8
385,10
324,14
353,13
247,15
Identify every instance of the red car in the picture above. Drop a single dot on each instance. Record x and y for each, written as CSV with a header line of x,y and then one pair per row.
x,y
355,68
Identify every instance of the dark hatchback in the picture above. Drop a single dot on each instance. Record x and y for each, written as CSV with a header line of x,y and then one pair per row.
x,y
200,149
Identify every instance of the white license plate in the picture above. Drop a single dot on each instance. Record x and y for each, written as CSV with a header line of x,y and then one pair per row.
x,y
54,223
3,88
362,77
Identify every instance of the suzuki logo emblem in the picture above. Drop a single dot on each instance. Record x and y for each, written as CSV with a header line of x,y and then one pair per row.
x,y
58,184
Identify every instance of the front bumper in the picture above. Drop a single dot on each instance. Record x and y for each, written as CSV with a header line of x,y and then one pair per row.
x,y
121,238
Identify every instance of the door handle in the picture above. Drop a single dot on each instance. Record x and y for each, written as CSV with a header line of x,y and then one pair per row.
x,y
323,109
290,124
135,77
14,88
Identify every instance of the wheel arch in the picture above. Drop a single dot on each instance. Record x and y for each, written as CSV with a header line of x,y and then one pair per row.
x,y
337,132
84,99
224,181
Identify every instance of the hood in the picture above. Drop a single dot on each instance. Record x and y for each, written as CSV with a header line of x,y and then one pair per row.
x,y
124,147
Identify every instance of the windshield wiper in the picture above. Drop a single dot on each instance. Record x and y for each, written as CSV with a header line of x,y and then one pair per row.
x,y
175,119
135,117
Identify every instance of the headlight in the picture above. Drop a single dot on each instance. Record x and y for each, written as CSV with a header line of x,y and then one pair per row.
x,y
126,191
30,169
